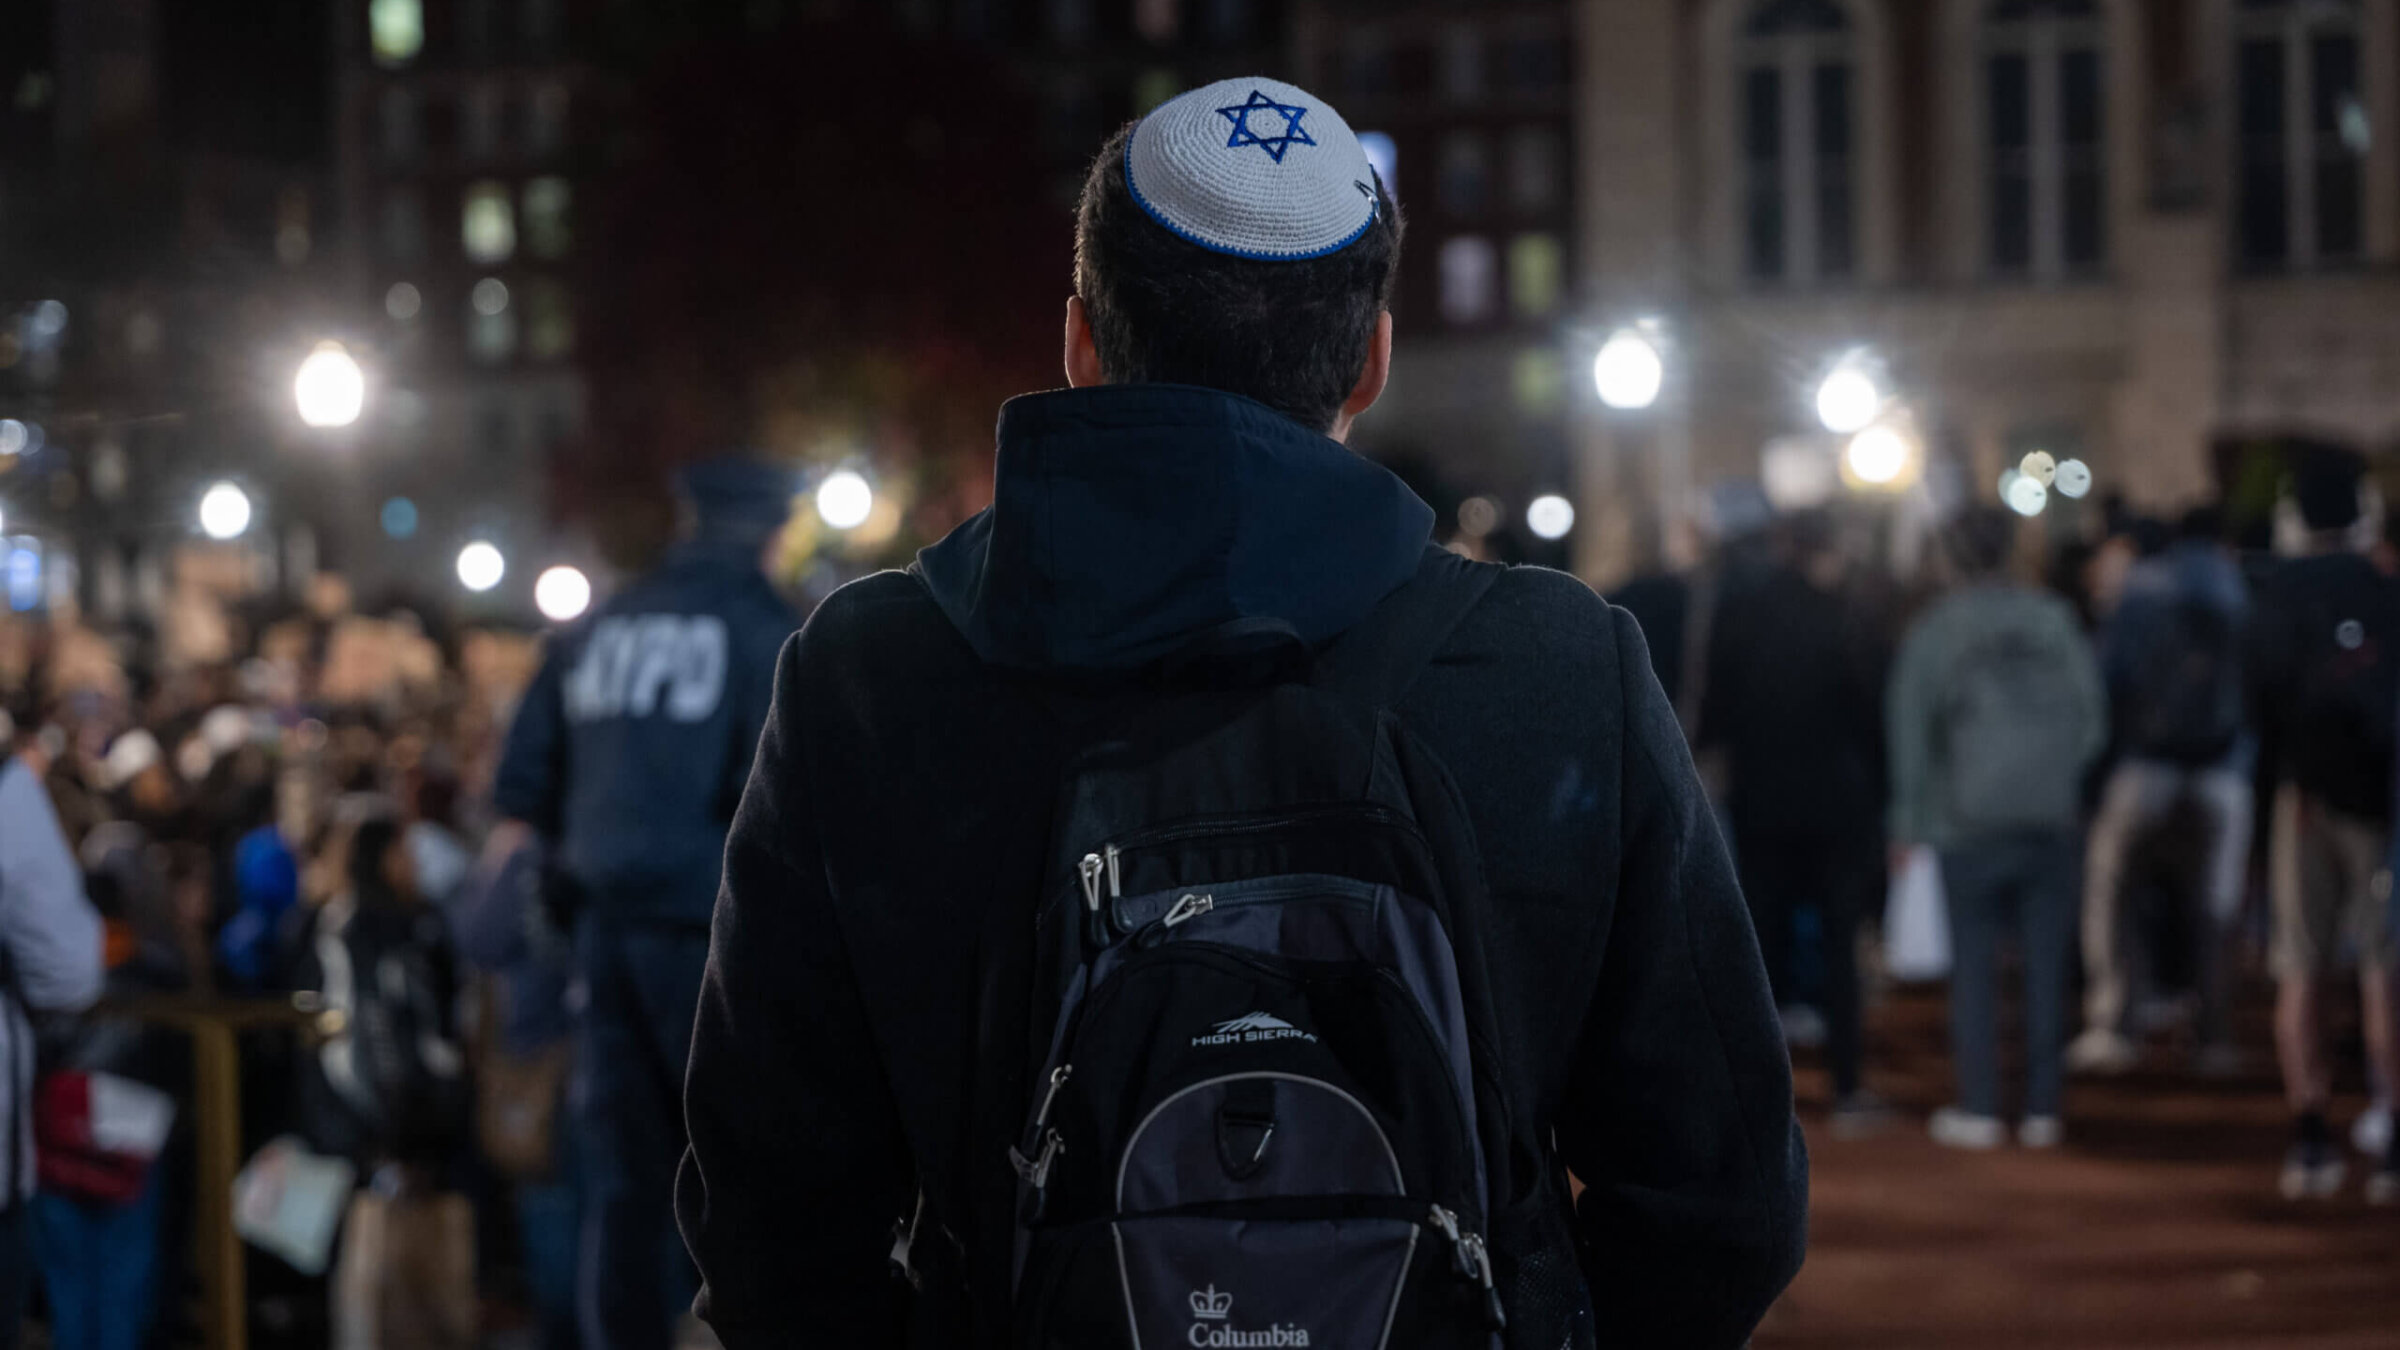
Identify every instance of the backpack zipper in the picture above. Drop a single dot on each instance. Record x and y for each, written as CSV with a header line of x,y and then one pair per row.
x,y
1473,1261
1042,1145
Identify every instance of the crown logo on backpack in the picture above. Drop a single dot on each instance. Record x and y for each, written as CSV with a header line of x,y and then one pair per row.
x,y
1210,1306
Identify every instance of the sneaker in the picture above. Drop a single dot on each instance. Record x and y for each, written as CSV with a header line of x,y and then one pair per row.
x,y
1860,1115
2383,1188
2313,1169
1803,1027
1954,1128
2371,1133
2041,1132
2101,1051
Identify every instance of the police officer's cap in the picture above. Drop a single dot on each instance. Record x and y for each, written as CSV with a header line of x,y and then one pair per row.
x,y
734,496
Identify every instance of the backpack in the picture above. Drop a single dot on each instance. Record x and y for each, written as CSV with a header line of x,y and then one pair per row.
x,y
2343,718
391,1080
1265,1107
2185,703
2011,736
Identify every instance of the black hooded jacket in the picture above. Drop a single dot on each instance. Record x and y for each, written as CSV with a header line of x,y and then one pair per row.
x,y
897,821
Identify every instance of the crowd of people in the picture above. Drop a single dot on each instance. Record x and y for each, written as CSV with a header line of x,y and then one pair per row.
x,y
369,825
2078,747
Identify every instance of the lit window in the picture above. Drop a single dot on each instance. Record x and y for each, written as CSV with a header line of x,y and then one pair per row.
x,y
546,120
1153,88
1538,377
404,225
396,30
1536,275
2042,136
479,116
491,322
1384,154
487,223
1796,118
549,319
2302,125
1468,267
1462,63
548,208
400,125
1533,170
1157,20
1466,173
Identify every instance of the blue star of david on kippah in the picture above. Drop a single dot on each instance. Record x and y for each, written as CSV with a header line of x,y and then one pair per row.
x,y
1243,134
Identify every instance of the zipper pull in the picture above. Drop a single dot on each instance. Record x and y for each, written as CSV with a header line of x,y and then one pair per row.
x,y
1185,909
1091,881
1115,889
1446,1223
1058,1079
1480,1256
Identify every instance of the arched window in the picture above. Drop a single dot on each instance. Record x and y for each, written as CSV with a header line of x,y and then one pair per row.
x,y
2303,132
2043,140
1799,216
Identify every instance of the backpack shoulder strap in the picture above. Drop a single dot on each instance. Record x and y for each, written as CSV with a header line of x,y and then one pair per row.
x,y
1381,656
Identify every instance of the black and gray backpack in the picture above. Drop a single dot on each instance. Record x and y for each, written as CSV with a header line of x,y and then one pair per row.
x,y
1265,1109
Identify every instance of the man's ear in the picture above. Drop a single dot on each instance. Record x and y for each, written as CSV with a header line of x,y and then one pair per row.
x,y
1083,357
1371,380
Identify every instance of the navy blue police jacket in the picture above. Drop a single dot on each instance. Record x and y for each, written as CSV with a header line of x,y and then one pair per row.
x,y
630,747
898,817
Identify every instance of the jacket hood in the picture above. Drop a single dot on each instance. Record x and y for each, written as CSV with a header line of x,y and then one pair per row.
x,y
1128,520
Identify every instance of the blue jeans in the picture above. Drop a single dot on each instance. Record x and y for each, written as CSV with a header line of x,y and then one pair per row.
x,y
550,1240
2026,886
642,990
99,1266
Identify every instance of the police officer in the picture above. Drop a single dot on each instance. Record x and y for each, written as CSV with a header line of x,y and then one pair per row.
x,y
628,756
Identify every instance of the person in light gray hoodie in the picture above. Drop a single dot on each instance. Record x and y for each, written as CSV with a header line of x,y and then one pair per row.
x,y
1995,710
50,961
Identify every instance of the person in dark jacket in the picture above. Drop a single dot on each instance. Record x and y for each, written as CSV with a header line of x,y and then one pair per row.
x,y
1795,702
887,855
627,757
2325,667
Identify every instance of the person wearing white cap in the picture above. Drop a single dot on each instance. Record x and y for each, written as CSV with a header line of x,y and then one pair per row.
x,y
1190,908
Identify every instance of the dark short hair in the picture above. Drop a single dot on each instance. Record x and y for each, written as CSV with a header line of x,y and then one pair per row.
x,y
1982,538
1163,310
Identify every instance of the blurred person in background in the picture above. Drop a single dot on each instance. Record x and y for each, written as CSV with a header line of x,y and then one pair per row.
x,y
2171,652
51,953
627,758
1794,702
523,1056
2325,668
1995,710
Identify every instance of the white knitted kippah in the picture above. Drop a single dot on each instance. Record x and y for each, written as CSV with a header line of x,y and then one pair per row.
x,y
1256,168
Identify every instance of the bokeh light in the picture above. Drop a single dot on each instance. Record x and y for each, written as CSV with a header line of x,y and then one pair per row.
x,y
224,511
845,500
562,593
1878,456
1848,399
399,518
1550,516
330,388
1628,371
480,566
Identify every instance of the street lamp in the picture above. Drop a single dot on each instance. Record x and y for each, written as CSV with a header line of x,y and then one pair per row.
x,y
1550,516
1849,399
561,593
480,566
845,500
1628,371
330,388
224,511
